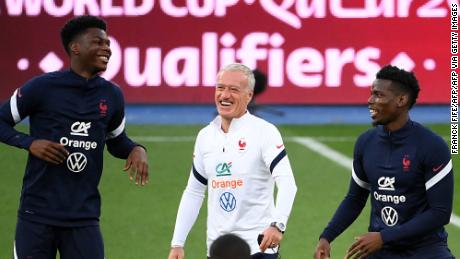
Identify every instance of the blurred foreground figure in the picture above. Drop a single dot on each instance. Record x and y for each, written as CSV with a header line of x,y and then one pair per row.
x,y
230,246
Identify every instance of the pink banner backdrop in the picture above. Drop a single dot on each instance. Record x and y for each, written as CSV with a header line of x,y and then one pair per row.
x,y
168,51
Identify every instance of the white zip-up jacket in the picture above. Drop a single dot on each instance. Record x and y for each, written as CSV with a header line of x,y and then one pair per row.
x,y
239,169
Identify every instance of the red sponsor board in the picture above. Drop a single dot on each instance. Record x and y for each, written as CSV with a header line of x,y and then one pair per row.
x,y
169,51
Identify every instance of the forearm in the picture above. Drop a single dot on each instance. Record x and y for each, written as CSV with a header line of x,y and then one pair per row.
x,y
285,197
187,214
347,212
426,222
121,146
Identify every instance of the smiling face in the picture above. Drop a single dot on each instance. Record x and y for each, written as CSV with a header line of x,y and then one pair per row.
x,y
232,94
91,51
387,105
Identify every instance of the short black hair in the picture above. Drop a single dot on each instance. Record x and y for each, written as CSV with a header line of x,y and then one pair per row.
x,y
229,246
77,25
261,81
405,81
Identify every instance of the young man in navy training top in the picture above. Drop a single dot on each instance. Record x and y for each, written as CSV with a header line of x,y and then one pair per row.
x,y
407,170
73,115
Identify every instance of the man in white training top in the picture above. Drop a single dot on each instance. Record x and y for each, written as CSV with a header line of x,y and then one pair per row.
x,y
238,158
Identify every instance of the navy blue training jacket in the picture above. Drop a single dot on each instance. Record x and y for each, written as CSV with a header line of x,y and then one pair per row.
x,y
83,115
408,174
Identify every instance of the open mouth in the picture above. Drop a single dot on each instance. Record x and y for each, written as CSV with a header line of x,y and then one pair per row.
x,y
103,58
373,112
225,103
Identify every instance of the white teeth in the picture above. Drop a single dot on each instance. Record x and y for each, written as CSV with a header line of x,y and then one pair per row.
x,y
372,112
224,103
104,58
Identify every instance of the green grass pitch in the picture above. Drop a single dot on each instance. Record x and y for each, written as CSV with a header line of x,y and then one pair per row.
x,y
138,222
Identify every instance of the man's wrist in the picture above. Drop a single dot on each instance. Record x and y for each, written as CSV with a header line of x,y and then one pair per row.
x,y
281,227
324,238
141,146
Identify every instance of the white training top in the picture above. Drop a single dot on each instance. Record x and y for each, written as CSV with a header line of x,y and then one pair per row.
x,y
239,169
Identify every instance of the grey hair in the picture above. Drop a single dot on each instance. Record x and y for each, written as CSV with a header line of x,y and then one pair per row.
x,y
241,68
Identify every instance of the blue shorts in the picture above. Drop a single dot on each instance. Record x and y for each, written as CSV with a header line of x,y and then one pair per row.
x,y
433,251
41,241
264,256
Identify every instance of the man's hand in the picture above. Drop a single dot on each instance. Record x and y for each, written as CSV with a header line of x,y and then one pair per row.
x,y
49,151
176,253
323,249
365,245
137,165
272,238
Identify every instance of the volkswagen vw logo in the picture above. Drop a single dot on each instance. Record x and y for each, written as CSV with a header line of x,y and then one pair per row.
x,y
389,216
227,201
76,162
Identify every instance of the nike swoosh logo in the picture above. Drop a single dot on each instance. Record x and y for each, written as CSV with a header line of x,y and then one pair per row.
x,y
436,169
279,146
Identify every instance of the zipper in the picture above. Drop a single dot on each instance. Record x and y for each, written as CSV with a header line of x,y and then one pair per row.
x,y
388,161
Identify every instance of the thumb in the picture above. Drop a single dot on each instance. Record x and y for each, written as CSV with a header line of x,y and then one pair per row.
x,y
323,254
127,164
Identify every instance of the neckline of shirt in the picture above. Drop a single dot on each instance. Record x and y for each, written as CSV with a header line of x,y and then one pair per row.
x,y
235,124
400,133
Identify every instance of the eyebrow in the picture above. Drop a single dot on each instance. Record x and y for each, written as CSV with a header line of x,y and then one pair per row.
x,y
101,38
224,85
107,40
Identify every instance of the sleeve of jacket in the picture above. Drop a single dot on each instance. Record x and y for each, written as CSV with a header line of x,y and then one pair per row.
x,y
118,143
354,201
192,198
276,160
20,105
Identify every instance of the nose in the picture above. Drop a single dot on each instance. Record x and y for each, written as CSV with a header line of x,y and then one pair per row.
x,y
370,100
109,50
106,47
226,93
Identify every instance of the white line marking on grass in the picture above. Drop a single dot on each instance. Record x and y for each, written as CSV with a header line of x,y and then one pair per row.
x,y
164,138
329,139
455,220
325,151
192,138
294,138
343,160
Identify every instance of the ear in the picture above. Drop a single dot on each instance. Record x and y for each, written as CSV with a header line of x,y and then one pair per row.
x,y
403,100
251,94
74,48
